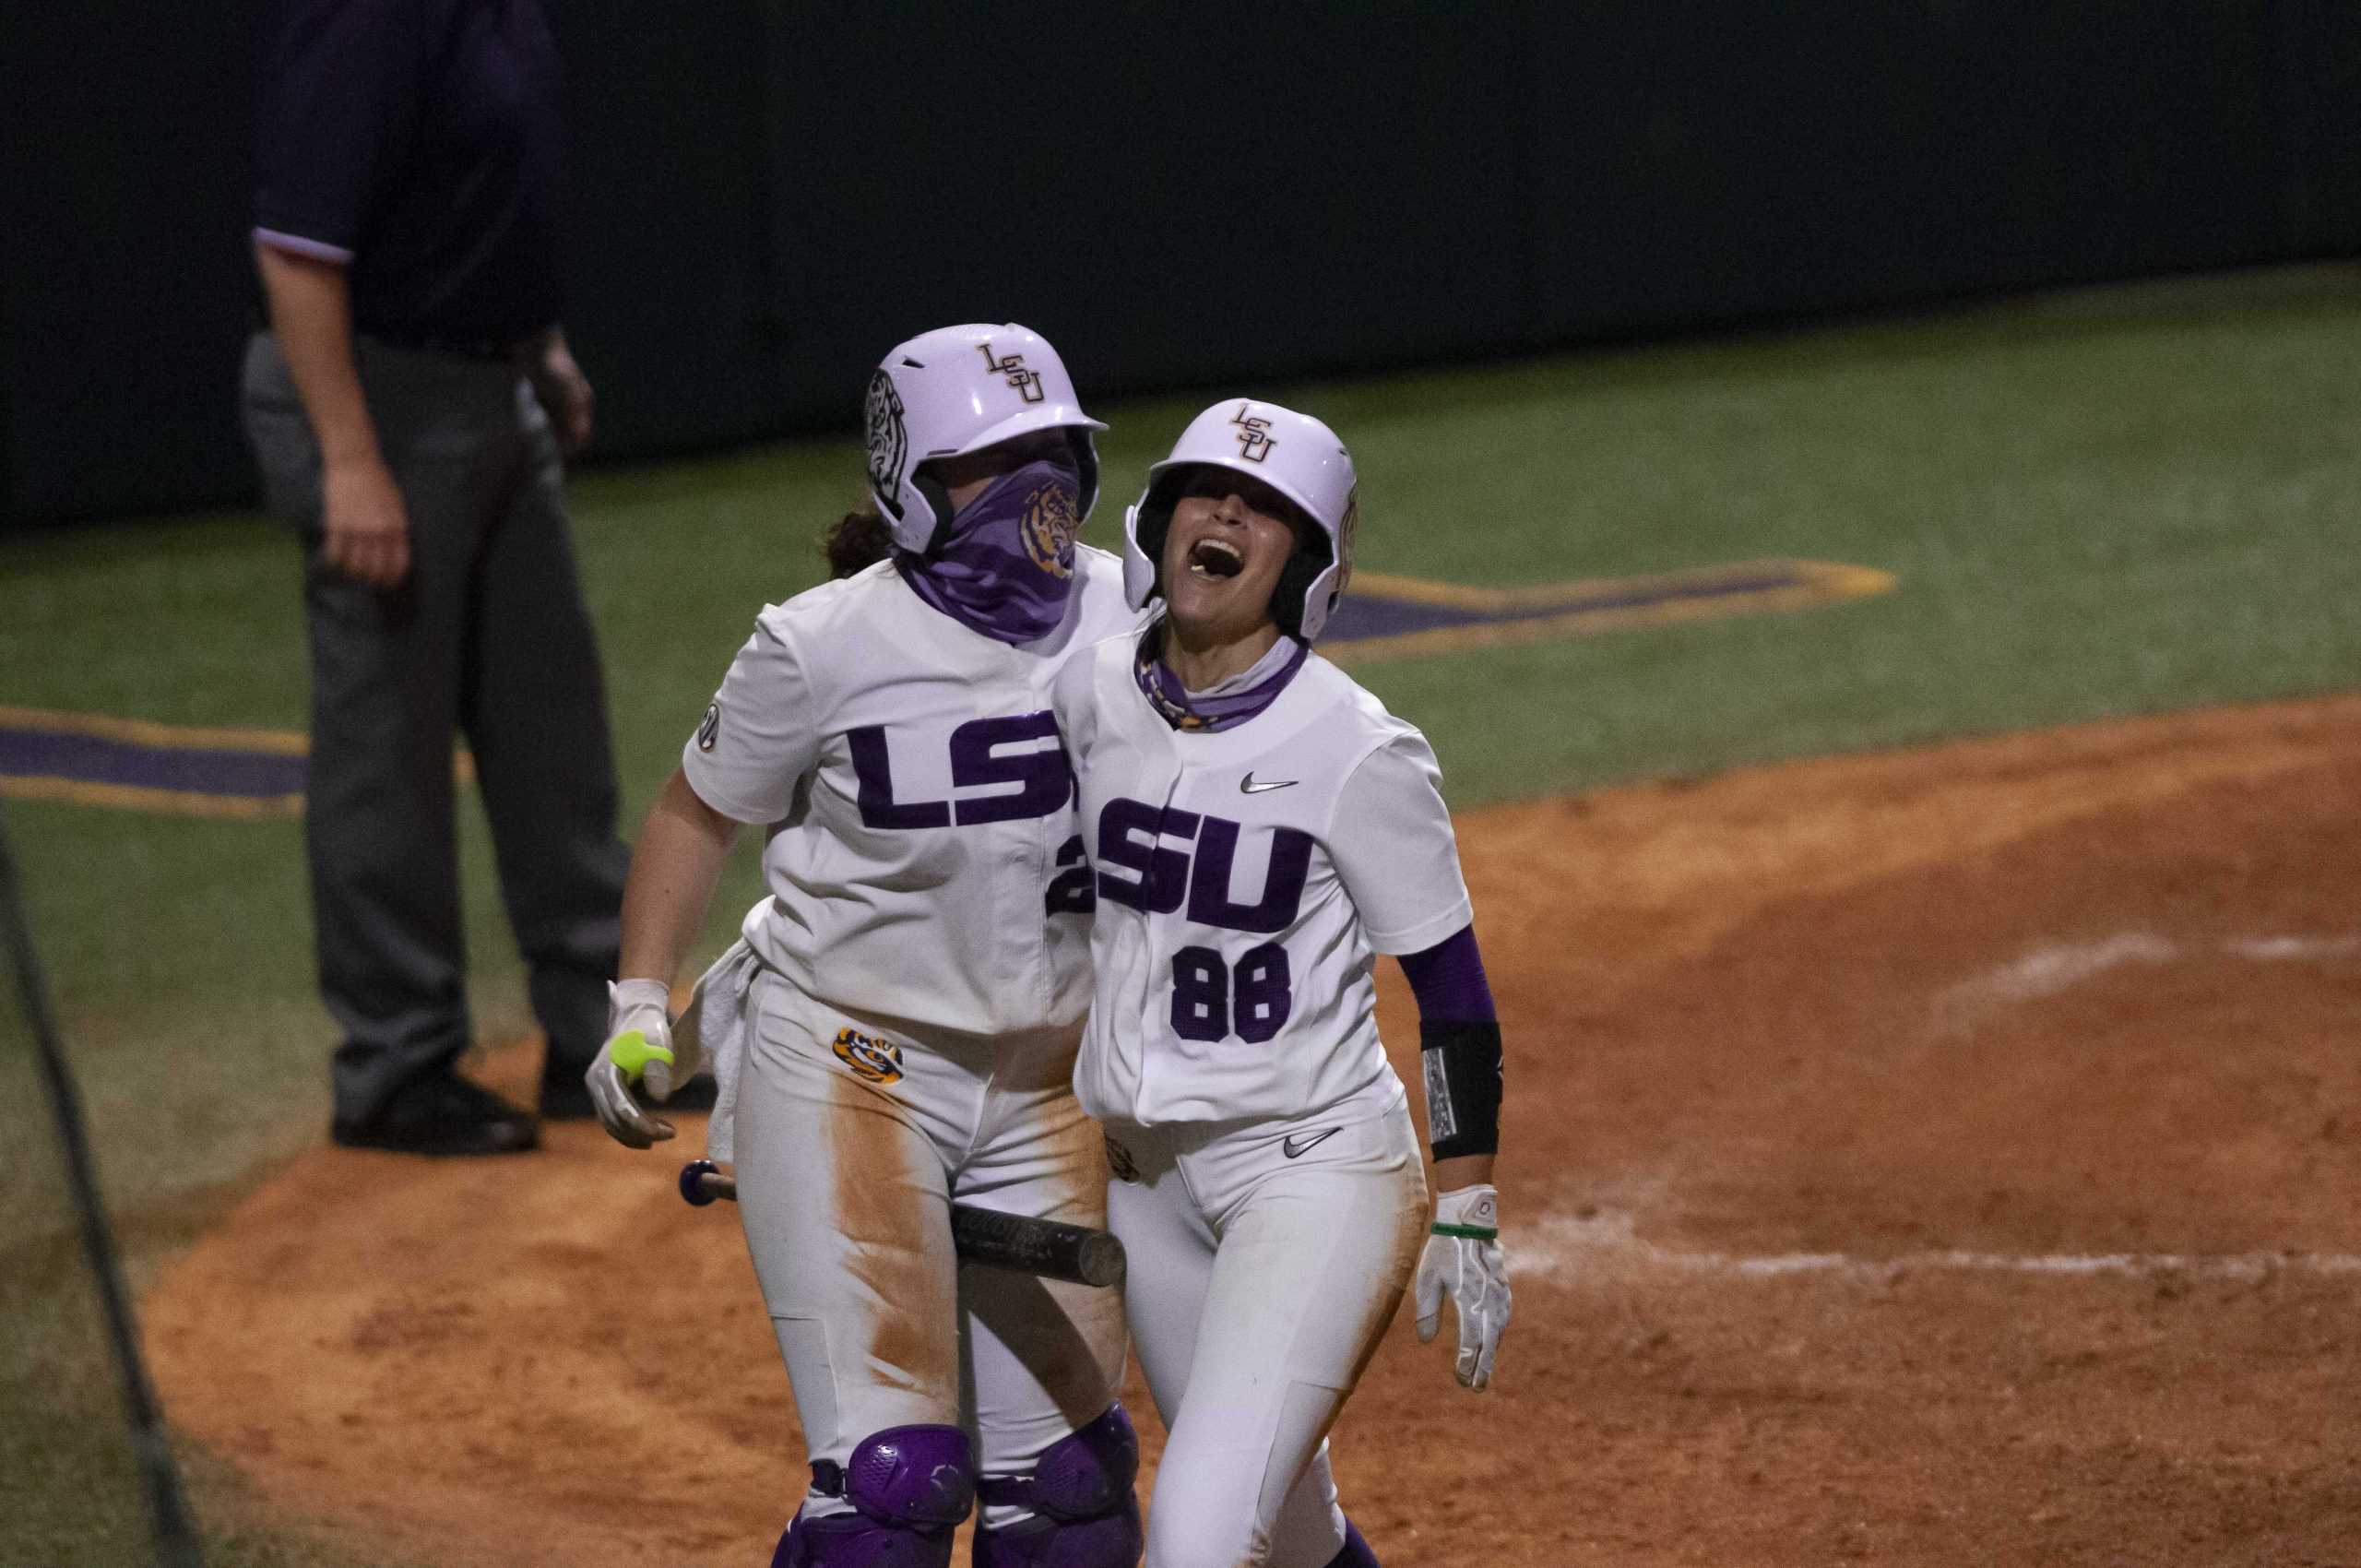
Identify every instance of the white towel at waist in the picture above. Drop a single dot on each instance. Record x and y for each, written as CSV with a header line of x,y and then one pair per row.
x,y
714,1025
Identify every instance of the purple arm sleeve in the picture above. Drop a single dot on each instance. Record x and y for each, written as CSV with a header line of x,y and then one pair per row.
x,y
1448,979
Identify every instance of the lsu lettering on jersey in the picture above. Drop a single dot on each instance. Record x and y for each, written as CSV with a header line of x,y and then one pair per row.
x,y
1246,879
922,861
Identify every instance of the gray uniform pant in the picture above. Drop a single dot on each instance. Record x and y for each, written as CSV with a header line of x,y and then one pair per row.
x,y
489,637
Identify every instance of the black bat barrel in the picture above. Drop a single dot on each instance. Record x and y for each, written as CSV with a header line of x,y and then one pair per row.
x,y
985,1235
1045,1247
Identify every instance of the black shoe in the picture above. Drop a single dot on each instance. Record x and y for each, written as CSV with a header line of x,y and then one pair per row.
x,y
442,1113
566,1097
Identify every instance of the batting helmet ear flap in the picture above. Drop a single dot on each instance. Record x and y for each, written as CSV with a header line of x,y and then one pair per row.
x,y
1145,526
1086,462
1295,579
931,490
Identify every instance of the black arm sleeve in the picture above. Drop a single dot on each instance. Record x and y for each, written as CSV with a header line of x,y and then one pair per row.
x,y
1459,1046
1461,1063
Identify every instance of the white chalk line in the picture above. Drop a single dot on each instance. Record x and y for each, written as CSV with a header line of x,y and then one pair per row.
x,y
2048,970
1568,1246
2059,966
2280,949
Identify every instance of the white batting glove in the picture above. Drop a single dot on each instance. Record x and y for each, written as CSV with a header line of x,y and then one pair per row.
x,y
1464,1256
638,1050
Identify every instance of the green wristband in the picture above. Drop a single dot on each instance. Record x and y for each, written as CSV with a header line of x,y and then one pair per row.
x,y
632,1052
1470,1232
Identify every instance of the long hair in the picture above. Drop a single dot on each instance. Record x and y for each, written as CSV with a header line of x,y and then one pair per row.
x,y
856,542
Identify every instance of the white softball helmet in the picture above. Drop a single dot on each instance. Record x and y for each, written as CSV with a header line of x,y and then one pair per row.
x,y
1295,455
959,389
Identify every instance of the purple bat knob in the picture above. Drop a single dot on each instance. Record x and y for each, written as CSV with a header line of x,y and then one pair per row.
x,y
693,1176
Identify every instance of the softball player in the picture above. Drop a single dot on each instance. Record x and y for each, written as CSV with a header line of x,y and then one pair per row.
x,y
1261,828
920,982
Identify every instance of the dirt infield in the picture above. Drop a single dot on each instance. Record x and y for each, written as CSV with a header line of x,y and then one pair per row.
x,y
1947,1156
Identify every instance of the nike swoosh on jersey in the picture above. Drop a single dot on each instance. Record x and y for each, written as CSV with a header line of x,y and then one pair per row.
x,y
1247,786
1295,1144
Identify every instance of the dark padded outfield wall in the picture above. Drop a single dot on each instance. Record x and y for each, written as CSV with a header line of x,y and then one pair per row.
x,y
675,283
765,193
121,218
1824,155
1173,194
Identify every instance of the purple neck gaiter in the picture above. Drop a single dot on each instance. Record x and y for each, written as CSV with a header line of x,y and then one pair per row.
x,y
1226,704
1007,564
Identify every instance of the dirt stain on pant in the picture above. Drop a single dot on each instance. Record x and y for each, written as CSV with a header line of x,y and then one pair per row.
x,y
1402,1263
891,1207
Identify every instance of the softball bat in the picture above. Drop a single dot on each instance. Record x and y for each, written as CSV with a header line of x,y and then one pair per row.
x,y
985,1236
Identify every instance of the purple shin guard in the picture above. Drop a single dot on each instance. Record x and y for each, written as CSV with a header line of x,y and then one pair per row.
x,y
1085,1510
1354,1553
909,1488
855,1541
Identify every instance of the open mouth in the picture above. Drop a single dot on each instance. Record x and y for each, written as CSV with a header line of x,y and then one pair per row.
x,y
1211,558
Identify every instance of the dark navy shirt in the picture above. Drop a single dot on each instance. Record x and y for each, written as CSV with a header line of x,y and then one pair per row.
x,y
418,141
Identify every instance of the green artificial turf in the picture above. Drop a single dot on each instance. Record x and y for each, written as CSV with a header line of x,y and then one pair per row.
x,y
2108,503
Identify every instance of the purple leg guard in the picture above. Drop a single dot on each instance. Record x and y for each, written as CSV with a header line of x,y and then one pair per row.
x,y
909,1488
1355,1552
1085,1514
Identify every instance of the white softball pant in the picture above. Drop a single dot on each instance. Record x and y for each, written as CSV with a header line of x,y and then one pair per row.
x,y
852,1142
1259,1286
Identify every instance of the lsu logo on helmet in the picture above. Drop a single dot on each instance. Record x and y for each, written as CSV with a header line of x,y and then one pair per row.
x,y
1048,529
1254,438
871,1061
1026,382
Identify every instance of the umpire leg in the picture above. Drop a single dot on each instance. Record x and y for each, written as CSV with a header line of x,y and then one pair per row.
x,y
378,827
534,709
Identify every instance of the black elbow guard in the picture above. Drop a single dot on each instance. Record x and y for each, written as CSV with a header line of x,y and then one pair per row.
x,y
1462,1068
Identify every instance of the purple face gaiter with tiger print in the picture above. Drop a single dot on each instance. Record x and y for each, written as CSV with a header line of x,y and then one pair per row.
x,y
1007,566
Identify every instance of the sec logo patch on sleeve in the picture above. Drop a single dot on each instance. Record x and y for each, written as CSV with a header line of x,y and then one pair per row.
x,y
709,728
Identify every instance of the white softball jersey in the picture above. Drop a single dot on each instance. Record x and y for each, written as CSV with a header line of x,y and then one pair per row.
x,y
1246,879
923,862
